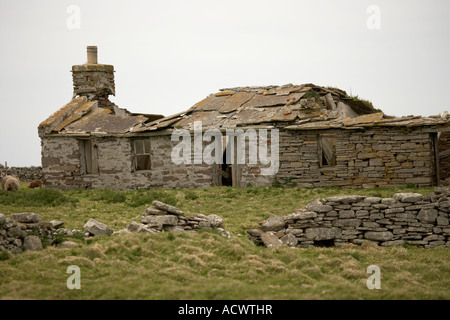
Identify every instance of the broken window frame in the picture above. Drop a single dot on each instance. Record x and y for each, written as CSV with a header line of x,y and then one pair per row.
x,y
327,150
141,155
88,156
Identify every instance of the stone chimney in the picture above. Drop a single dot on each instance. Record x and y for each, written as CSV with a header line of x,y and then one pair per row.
x,y
93,80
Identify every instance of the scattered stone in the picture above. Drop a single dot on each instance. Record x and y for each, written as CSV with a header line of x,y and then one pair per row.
x,y
26,217
168,208
289,239
134,226
214,220
273,223
97,228
155,211
270,239
57,224
32,243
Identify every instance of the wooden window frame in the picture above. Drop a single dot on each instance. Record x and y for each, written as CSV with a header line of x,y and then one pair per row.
x,y
89,156
321,151
141,151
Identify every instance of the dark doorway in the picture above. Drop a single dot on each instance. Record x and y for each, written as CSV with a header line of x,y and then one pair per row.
x,y
226,170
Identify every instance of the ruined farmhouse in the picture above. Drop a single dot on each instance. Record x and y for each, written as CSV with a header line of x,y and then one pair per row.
x,y
326,138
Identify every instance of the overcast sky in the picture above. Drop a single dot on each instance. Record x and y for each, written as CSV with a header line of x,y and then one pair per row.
x,y
168,55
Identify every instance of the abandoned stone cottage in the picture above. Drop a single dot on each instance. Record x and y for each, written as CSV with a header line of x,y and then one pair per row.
x,y
326,138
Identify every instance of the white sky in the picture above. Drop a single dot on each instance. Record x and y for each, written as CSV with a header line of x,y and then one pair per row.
x,y
169,55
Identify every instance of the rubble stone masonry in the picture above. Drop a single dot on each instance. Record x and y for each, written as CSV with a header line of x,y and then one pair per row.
x,y
61,162
380,157
406,218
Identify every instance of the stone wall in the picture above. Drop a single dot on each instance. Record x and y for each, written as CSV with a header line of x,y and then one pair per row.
x,y
24,231
444,155
378,157
24,173
61,161
95,81
407,218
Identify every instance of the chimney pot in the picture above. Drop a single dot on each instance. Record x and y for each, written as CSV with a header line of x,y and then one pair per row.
x,y
92,54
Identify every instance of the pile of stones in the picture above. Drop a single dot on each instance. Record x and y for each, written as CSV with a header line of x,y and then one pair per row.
x,y
25,231
406,218
163,217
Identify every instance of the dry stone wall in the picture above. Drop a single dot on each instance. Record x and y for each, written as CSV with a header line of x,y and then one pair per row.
x,y
24,173
163,217
406,218
379,157
444,156
24,231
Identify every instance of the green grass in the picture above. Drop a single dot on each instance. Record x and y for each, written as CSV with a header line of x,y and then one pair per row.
x,y
206,265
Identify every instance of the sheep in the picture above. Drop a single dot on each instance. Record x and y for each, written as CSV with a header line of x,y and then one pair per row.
x,y
36,184
10,183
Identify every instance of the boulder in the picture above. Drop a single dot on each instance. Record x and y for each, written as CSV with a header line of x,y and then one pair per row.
x,y
254,232
57,224
134,226
273,223
155,211
289,239
26,217
165,207
97,228
270,240
214,220
32,243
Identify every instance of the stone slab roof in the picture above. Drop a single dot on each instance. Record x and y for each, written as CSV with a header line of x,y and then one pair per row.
x,y
295,107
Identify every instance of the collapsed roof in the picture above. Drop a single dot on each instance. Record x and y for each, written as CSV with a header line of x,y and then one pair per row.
x,y
295,107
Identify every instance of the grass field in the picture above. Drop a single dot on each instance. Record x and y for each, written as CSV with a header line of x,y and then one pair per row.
x,y
206,265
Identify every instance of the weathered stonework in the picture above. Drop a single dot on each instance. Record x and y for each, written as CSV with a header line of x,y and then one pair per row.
x,y
406,218
371,158
61,159
444,155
